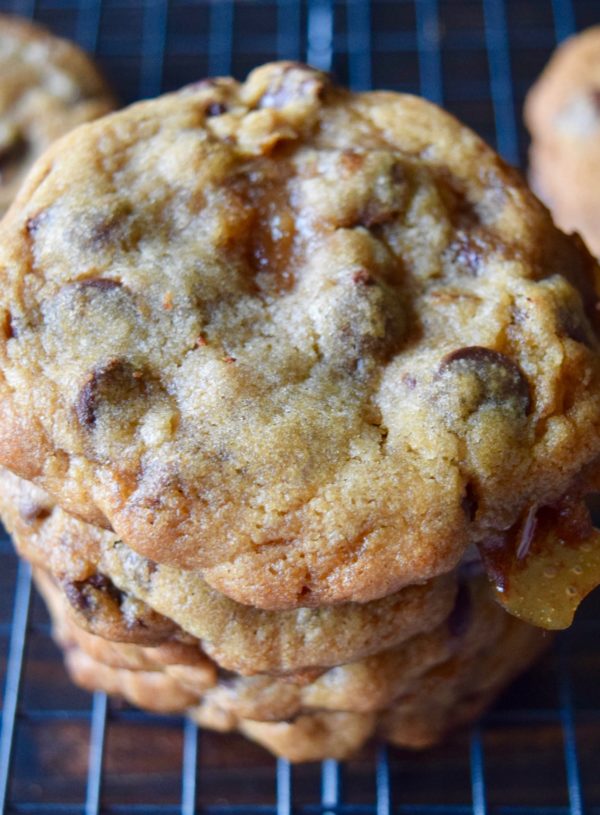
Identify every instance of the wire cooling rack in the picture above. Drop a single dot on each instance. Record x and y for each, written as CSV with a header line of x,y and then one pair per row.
x,y
538,752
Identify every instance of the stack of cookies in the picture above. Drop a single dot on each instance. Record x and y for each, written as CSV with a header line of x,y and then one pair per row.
x,y
299,409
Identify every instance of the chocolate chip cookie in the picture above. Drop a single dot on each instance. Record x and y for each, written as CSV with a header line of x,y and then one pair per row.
x,y
119,595
413,693
309,343
47,87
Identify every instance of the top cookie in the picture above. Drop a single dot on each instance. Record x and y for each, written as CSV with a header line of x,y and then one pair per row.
x,y
47,87
562,112
308,342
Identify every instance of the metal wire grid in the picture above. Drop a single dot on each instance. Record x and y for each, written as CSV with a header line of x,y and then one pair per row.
x,y
478,59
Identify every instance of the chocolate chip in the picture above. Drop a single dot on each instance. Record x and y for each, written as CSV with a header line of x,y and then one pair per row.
x,y
13,330
31,511
7,325
86,401
572,325
500,379
460,617
80,593
77,595
99,581
116,381
106,586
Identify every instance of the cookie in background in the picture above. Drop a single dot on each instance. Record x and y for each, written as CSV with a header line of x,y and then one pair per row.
x,y
48,86
562,112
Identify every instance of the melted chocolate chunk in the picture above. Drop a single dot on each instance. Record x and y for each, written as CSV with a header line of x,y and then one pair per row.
x,y
116,381
573,325
8,328
77,595
80,593
31,511
500,379
105,584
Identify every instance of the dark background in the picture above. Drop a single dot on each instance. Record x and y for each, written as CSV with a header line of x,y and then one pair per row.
x,y
538,752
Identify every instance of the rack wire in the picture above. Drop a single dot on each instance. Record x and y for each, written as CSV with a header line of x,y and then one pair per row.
x,y
63,751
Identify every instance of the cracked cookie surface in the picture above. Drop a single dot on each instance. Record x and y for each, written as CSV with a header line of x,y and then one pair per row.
x,y
311,344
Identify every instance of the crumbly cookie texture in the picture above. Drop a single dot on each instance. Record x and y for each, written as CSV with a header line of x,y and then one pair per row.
x,y
312,344
412,694
48,86
52,540
364,686
134,656
119,595
562,111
